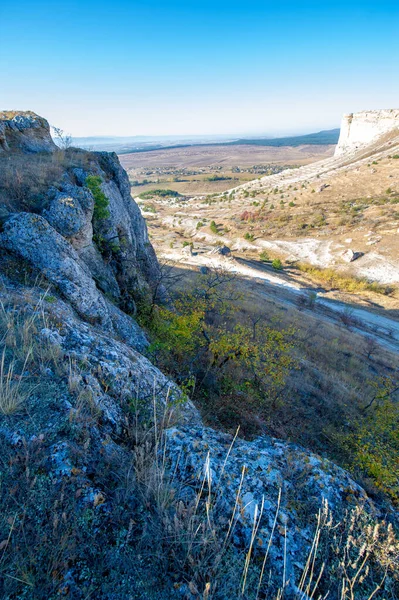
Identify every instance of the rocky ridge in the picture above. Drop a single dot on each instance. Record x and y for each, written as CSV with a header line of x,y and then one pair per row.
x,y
76,280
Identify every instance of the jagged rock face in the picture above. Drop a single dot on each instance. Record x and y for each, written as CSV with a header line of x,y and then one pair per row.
x,y
358,129
125,227
90,260
24,131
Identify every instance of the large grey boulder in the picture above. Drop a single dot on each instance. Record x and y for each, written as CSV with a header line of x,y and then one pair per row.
x,y
257,484
350,255
70,212
35,240
25,132
129,374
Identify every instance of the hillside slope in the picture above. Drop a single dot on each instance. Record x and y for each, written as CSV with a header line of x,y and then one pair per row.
x,y
314,214
111,485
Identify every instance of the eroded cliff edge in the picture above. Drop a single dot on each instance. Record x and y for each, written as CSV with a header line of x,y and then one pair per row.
x,y
76,470
362,128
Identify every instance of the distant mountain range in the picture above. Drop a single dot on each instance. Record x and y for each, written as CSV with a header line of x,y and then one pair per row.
x,y
127,145
322,138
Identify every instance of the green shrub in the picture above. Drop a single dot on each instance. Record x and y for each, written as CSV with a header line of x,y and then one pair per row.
x,y
264,257
213,227
238,358
101,203
372,446
249,236
277,264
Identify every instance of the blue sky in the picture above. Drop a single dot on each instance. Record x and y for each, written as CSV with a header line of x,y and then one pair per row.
x,y
198,67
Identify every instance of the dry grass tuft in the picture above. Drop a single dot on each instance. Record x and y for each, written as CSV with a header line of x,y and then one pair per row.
x,y
345,283
25,356
348,558
12,396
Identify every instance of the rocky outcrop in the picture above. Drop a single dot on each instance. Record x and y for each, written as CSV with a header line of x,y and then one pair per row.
x,y
360,129
91,260
25,132
221,251
267,472
136,266
32,237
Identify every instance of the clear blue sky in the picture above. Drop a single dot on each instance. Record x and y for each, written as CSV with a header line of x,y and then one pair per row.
x,y
198,67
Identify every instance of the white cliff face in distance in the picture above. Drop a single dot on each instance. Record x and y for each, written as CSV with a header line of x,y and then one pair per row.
x,y
358,129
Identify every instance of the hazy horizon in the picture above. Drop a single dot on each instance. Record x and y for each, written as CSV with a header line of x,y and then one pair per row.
x,y
188,136
150,68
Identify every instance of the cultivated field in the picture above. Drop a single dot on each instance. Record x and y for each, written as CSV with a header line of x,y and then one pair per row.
x,y
205,169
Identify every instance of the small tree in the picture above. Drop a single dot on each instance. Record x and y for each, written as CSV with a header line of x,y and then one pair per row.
x,y
199,340
64,140
372,446
371,346
213,227
277,264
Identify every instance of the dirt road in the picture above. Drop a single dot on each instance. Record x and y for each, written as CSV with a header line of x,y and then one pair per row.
x,y
384,330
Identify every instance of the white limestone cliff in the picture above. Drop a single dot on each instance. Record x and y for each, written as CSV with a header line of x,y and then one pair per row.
x,y
359,129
